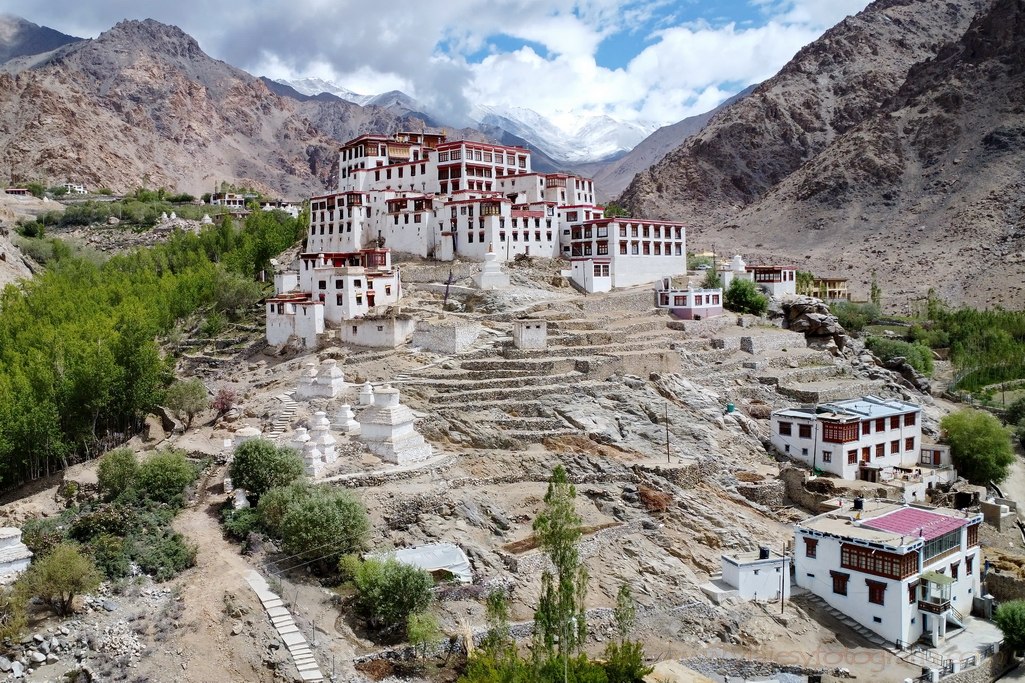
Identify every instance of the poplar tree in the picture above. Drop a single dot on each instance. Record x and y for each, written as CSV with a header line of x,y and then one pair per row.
x,y
560,612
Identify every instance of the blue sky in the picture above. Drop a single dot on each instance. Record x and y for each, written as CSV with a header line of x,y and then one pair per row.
x,y
651,61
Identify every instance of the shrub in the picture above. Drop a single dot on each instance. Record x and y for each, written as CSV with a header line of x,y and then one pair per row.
x,y
12,614
30,229
164,476
979,445
117,472
259,466
1019,433
187,399
324,526
59,577
624,662
1010,617
41,536
111,555
223,401
917,355
1015,412
743,297
422,632
387,592
275,503
113,520
164,554
854,317
240,523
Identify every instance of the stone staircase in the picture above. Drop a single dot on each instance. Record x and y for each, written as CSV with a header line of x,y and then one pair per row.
x,y
284,419
862,631
283,623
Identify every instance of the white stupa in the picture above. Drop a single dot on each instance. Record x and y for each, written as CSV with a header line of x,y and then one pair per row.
x,y
320,435
386,428
300,439
330,379
345,420
313,459
366,395
206,220
491,275
307,381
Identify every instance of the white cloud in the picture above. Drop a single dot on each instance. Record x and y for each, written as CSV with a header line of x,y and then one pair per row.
x,y
422,48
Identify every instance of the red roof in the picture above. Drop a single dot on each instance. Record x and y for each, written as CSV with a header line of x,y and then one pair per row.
x,y
916,522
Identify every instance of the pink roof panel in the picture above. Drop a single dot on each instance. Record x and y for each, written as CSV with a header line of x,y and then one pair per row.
x,y
915,522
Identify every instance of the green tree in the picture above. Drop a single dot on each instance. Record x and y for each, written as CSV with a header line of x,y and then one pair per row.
x,y
854,317
918,356
259,466
59,577
187,398
164,476
875,294
117,472
388,591
615,210
804,282
322,527
560,615
36,189
625,612
742,296
423,633
624,660
1010,617
711,279
979,445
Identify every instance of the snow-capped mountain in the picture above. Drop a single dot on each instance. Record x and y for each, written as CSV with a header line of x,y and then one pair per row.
x,y
592,138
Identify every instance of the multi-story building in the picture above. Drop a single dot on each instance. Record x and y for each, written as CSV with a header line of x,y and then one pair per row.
x,y
905,572
852,439
420,194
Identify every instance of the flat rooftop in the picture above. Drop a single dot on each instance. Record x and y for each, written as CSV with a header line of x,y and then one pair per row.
x,y
887,522
872,406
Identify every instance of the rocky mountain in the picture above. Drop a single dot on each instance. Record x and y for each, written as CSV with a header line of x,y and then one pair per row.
x,y
594,139
143,104
612,177
19,38
886,145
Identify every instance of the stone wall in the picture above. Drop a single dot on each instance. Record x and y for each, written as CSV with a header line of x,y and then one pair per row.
x,y
643,300
703,328
771,494
731,343
1005,586
686,476
794,479
772,342
438,272
454,336
535,561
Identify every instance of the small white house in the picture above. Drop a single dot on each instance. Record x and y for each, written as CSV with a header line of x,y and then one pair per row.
x,y
75,188
383,333
778,281
530,334
762,574
906,572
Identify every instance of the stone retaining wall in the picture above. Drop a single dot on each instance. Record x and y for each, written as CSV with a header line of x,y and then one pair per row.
x,y
535,561
731,343
773,342
450,336
439,272
1003,586
687,476
771,494
988,670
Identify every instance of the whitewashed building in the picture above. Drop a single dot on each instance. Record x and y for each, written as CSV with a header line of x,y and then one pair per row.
x,y
760,575
778,281
688,303
904,572
858,438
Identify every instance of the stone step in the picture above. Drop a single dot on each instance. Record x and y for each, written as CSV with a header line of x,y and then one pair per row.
x,y
462,385
489,395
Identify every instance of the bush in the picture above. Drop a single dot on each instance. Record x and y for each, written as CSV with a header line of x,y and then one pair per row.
x,y
322,527
12,614
743,297
1015,412
31,229
117,472
240,523
164,554
1019,433
1010,617
275,503
41,536
931,337
164,476
113,520
917,355
223,401
59,577
624,662
854,317
259,466
187,399
979,445
111,555
387,592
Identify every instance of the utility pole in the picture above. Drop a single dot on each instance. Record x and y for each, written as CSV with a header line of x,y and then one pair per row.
x,y
783,579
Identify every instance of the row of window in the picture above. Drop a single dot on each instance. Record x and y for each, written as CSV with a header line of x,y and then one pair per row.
x,y
681,300
601,270
646,249
867,451
478,155
677,231
515,236
842,432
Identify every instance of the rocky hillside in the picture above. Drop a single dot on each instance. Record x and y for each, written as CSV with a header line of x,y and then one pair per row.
x,y
142,103
858,144
611,178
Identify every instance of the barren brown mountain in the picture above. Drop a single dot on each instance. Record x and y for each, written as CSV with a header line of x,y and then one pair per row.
x,y
143,104
891,144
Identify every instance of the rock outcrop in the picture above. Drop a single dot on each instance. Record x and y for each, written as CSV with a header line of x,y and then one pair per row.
x,y
812,317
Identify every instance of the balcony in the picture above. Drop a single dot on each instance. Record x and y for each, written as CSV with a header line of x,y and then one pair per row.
x,y
934,606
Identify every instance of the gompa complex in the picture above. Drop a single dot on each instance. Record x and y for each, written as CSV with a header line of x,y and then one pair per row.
x,y
422,195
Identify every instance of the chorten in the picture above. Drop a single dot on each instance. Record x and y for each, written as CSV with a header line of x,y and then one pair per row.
x,y
491,275
386,428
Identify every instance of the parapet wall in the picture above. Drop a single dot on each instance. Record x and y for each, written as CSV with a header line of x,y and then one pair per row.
x,y
446,337
773,342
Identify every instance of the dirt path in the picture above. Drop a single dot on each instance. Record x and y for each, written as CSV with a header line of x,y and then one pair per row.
x,y
209,649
